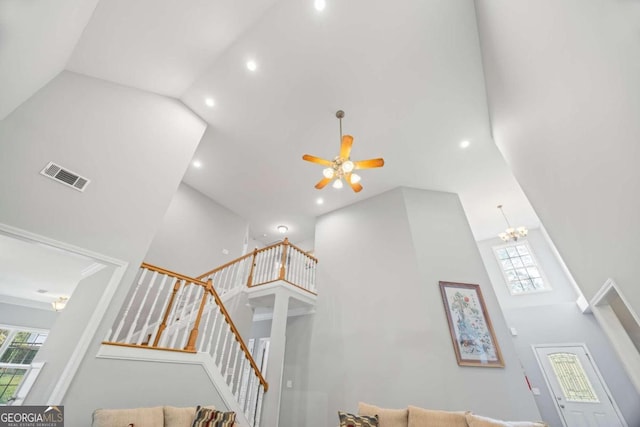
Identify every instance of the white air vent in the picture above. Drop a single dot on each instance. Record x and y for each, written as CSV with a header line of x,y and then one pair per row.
x,y
65,176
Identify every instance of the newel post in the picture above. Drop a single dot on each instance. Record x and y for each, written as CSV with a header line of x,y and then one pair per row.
x,y
193,336
284,257
163,325
253,265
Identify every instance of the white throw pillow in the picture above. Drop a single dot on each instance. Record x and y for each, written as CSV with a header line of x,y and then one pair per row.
x,y
139,417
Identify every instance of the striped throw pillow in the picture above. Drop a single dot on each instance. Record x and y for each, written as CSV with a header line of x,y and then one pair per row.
x,y
350,420
206,417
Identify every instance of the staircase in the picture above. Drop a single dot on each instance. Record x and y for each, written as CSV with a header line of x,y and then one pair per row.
x,y
182,316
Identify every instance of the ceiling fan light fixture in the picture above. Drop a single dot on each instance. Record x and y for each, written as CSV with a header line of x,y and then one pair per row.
x,y
347,166
342,166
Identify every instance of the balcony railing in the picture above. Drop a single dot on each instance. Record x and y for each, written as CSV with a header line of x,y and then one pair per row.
x,y
281,261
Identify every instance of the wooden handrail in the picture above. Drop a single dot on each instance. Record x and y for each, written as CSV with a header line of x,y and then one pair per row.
x,y
254,252
235,331
174,274
223,266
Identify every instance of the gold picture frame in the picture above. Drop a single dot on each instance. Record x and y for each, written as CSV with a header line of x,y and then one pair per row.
x,y
472,335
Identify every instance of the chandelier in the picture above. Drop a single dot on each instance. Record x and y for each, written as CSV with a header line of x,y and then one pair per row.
x,y
511,233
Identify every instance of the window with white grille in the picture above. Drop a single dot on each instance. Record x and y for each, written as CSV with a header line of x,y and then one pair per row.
x,y
18,347
520,269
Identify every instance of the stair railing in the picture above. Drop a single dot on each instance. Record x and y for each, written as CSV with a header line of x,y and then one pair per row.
x,y
281,261
171,311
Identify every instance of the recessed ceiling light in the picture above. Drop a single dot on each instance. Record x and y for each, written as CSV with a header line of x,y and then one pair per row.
x,y
264,235
251,65
320,5
465,144
209,102
319,201
197,164
283,229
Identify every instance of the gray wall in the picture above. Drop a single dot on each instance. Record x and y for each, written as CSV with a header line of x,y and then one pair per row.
x,y
193,234
379,333
18,315
554,318
136,161
563,83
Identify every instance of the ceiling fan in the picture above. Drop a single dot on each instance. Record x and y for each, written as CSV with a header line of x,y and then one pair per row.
x,y
342,167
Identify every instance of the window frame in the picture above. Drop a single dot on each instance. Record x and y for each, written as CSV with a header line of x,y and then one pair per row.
x,y
547,285
13,331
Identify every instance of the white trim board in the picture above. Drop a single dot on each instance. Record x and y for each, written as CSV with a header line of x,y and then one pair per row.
x,y
91,328
612,327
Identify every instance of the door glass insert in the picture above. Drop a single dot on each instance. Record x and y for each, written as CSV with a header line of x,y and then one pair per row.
x,y
572,378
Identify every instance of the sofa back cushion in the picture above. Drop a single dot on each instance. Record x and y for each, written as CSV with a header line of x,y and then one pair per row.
x,y
139,417
386,417
419,417
179,417
478,421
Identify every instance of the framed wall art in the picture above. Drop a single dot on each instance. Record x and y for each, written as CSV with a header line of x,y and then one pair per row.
x,y
472,335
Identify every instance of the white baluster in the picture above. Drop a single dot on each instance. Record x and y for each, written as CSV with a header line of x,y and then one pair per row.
x,y
180,320
172,313
143,332
202,336
134,323
277,262
217,347
194,308
243,364
235,270
126,311
314,266
228,366
235,366
216,316
222,352
259,266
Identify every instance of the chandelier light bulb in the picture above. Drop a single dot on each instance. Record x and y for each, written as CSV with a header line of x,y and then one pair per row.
x,y
355,178
347,166
511,233
337,184
328,173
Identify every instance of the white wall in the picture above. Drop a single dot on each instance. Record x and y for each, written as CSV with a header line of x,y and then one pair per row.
x,y
379,333
29,317
194,232
562,81
554,318
135,147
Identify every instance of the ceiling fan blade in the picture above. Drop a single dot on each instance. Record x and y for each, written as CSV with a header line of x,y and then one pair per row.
x,y
345,148
322,183
355,186
369,164
318,160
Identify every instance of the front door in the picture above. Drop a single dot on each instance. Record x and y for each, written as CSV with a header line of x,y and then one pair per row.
x,y
581,396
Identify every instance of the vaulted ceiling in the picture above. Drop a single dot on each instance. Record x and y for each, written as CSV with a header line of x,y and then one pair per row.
x,y
408,74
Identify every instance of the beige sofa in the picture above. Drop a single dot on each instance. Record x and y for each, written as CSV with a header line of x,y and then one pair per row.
x,y
414,416
158,416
